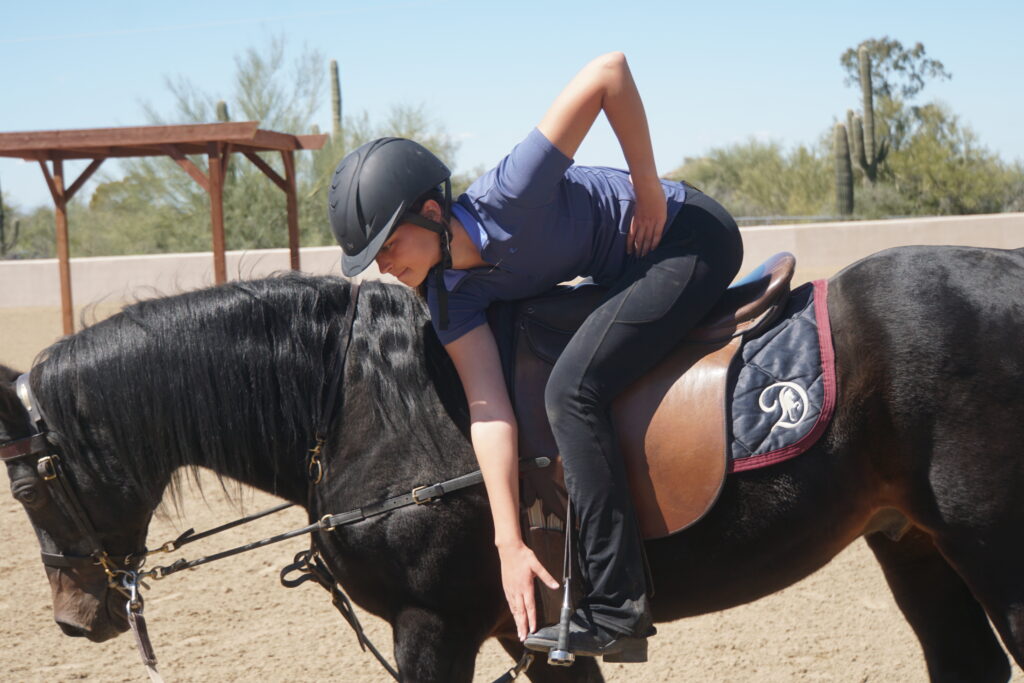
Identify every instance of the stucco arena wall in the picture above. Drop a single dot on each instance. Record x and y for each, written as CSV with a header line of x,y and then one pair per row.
x,y
821,250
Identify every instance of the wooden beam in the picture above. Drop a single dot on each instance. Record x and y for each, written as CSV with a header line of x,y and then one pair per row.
x,y
65,154
292,207
77,185
186,163
58,195
273,140
216,190
228,149
266,168
90,138
130,142
312,141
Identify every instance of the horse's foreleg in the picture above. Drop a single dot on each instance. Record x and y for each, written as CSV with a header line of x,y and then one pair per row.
x,y
954,632
585,670
430,648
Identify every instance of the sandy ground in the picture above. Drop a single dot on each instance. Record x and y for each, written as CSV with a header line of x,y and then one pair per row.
x,y
233,621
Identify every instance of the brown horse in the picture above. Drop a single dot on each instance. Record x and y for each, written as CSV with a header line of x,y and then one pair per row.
x,y
922,457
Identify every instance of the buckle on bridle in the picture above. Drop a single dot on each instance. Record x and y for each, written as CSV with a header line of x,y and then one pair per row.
x,y
47,467
315,468
421,501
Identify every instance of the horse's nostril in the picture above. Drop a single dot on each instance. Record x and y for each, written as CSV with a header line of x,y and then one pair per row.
x,y
74,631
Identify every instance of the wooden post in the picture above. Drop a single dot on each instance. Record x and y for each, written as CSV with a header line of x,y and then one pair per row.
x,y
293,207
63,249
56,184
216,179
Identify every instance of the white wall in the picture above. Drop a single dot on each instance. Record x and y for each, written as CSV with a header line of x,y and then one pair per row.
x,y
821,250
126,278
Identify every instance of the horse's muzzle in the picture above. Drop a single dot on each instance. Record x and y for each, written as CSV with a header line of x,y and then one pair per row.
x,y
85,607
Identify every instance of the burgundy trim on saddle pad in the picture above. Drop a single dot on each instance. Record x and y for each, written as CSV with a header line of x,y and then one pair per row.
x,y
828,368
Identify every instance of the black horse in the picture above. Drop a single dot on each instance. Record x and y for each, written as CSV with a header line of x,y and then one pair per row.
x,y
922,456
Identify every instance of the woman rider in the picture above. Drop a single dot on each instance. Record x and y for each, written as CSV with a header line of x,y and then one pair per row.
x,y
666,251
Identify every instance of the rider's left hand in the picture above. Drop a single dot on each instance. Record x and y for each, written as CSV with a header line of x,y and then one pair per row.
x,y
649,215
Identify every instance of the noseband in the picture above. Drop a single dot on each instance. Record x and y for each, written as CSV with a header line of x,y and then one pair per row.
x,y
48,465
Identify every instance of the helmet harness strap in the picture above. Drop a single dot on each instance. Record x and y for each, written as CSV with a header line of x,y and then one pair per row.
x,y
443,229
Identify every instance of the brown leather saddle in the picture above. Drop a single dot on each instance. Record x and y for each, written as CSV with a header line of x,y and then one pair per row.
x,y
670,423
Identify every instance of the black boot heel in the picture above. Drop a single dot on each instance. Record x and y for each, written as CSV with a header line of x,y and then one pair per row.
x,y
633,652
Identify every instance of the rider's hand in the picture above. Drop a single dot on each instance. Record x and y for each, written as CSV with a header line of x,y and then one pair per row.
x,y
518,567
649,215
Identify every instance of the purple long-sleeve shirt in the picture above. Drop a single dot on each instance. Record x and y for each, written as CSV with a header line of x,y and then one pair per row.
x,y
539,220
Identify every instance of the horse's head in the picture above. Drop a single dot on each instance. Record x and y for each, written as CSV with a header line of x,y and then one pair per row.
x,y
67,502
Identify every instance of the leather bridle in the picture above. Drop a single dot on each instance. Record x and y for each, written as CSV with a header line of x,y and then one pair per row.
x,y
50,470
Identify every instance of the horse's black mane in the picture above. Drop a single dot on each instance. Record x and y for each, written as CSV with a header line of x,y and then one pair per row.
x,y
233,376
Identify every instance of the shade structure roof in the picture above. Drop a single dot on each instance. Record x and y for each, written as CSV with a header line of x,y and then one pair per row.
x,y
143,141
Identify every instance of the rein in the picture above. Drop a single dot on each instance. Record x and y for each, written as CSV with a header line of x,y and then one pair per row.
x,y
421,495
129,576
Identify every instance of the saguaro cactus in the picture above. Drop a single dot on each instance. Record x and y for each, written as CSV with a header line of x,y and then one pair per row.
x,y
844,171
869,153
335,101
6,246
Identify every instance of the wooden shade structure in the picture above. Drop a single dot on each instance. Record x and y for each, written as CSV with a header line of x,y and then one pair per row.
x,y
218,141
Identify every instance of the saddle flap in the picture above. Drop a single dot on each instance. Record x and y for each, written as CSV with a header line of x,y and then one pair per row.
x,y
671,430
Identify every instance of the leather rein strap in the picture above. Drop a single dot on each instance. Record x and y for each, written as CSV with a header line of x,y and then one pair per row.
x,y
421,495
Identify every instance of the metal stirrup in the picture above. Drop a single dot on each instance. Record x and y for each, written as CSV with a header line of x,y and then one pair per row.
x,y
561,655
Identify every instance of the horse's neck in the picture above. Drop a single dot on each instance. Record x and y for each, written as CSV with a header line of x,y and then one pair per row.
x,y
378,449
288,481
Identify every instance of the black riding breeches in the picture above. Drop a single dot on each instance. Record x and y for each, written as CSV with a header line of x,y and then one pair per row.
x,y
647,311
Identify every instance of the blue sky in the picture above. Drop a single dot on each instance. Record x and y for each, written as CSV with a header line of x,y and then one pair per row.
x,y
710,73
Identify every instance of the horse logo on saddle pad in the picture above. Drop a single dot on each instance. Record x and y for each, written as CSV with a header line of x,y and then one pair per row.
x,y
790,400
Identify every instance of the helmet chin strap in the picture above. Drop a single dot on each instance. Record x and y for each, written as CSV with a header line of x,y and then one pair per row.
x,y
445,233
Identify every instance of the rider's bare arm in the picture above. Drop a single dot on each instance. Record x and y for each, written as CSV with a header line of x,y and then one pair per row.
x,y
607,84
493,430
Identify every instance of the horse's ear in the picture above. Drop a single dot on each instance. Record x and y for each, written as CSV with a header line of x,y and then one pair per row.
x,y
14,419
8,375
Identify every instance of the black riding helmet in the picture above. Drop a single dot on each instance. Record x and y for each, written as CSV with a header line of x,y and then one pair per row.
x,y
372,191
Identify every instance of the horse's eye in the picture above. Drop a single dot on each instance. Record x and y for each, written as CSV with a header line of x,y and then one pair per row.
x,y
27,495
